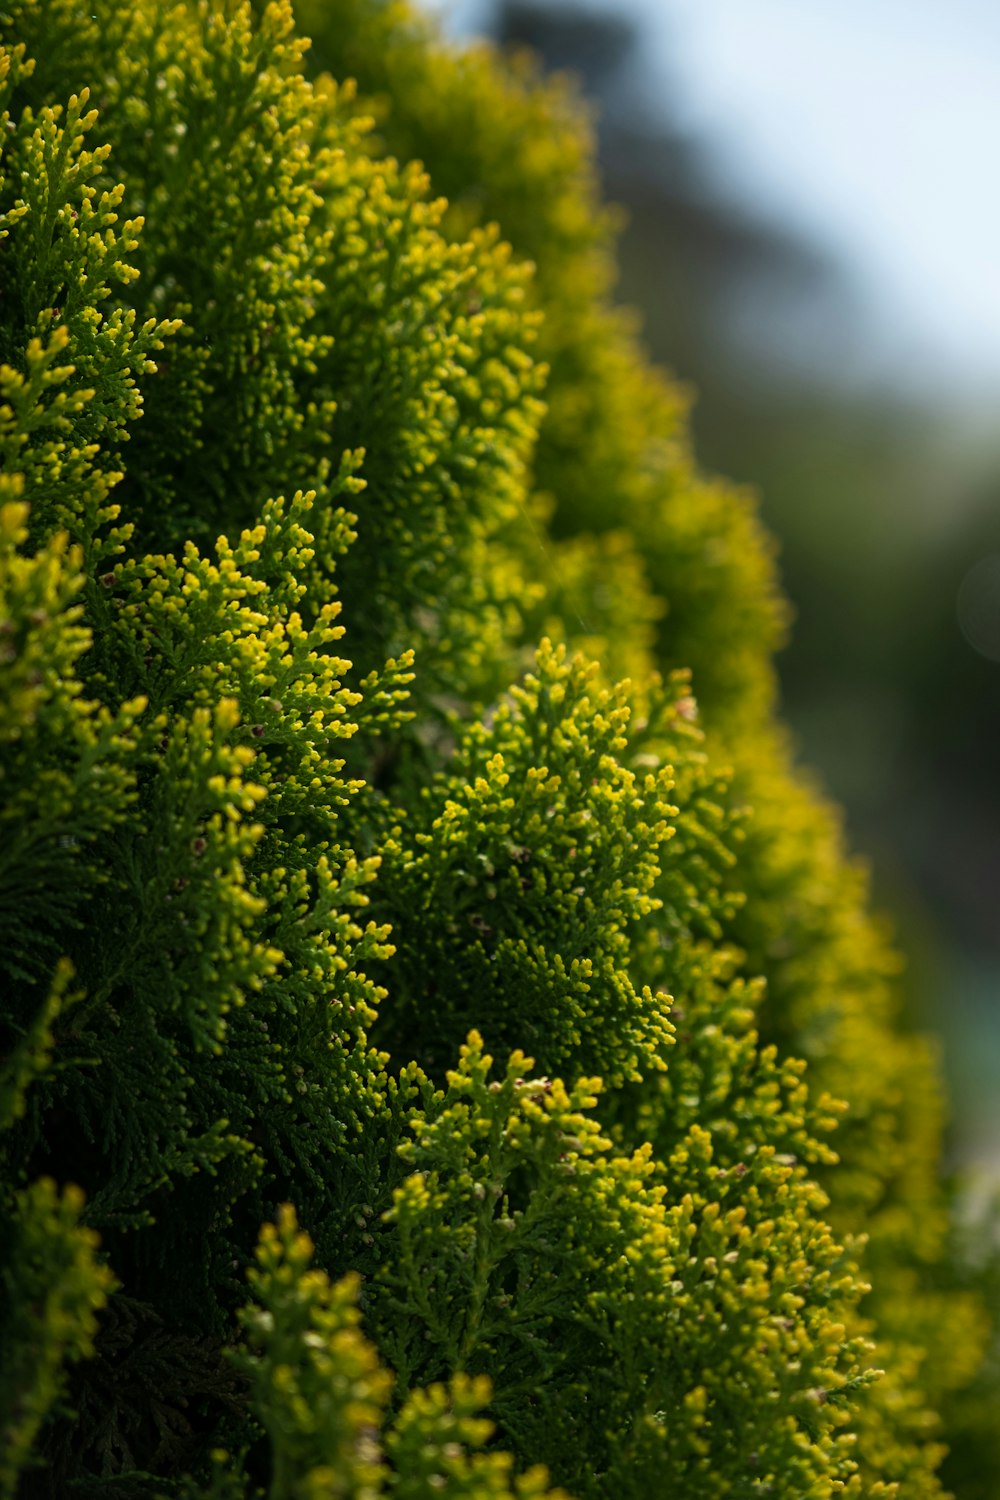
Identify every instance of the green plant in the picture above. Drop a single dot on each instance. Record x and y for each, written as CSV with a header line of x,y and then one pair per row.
x,y
306,821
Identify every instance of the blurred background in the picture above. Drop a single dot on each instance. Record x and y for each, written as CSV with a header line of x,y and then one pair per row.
x,y
813,238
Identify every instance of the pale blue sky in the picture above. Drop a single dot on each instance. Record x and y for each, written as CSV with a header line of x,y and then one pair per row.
x,y
875,126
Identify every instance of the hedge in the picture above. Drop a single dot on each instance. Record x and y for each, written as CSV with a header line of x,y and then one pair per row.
x,y
445,1049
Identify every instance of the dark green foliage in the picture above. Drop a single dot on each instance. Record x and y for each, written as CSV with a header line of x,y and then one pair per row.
x,y
299,819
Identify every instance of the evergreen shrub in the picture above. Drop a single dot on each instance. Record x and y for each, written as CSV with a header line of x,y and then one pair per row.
x,y
444,1049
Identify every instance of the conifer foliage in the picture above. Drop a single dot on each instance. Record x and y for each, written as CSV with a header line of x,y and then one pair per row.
x,y
443,1051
